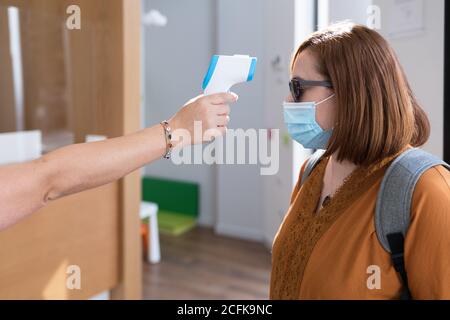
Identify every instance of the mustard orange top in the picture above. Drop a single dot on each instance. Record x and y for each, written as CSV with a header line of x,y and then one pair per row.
x,y
333,254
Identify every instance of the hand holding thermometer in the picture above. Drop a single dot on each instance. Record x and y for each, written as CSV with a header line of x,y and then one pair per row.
x,y
226,71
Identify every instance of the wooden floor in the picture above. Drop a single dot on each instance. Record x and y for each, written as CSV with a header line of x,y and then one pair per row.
x,y
202,265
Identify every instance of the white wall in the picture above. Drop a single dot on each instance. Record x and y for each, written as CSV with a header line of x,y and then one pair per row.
x,y
354,10
176,59
240,30
422,56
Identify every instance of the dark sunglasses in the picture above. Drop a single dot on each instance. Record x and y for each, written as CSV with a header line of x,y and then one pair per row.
x,y
298,86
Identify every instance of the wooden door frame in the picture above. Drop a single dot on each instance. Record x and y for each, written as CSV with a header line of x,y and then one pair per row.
x,y
126,107
130,286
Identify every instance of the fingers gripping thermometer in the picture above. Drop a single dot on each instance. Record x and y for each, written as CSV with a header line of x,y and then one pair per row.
x,y
226,71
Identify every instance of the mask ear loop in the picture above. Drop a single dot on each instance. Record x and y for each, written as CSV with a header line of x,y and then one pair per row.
x,y
325,100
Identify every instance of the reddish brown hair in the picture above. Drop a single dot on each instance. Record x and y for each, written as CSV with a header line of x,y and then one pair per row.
x,y
377,114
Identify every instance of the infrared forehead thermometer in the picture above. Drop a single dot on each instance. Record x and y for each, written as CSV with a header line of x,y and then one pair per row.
x,y
226,71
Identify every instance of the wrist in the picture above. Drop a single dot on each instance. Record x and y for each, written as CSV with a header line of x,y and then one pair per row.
x,y
177,140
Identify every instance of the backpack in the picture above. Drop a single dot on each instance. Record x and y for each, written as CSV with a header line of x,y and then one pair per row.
x,y
393,206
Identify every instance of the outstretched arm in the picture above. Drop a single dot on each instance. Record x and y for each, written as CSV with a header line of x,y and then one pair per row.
x,y
27,187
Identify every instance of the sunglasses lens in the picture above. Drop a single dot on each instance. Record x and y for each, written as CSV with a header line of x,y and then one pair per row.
x,y
296,90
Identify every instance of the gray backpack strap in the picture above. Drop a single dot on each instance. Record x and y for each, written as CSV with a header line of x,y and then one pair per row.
x,y
392,213
311,164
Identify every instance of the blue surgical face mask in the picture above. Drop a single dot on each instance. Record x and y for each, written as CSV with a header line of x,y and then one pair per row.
x,y
300,119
